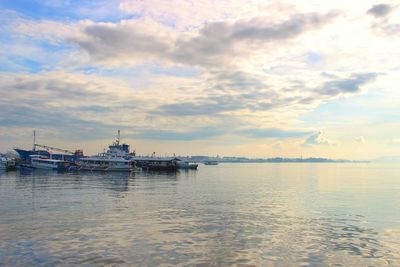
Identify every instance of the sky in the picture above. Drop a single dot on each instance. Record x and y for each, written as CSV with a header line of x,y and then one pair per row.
x,y
229,78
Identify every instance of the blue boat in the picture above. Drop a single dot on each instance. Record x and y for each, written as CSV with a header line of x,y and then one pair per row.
x,y
65,155
25,154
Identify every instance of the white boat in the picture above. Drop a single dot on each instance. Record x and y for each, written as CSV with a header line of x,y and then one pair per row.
x,y
186,165
6,163
107,164
119,158
116,159
118,151
40,162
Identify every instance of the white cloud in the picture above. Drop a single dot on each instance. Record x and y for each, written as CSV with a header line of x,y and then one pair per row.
x,y
188,14
359,139
143,40
128,41
381,10
317,139
54,32
396,141
254,66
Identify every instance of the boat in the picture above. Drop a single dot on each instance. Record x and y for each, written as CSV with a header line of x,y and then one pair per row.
x,y
186,165
117,150
106,164
210,162
25,154
193,166
64,154
116,159
7,163
121,151
41,162
156,163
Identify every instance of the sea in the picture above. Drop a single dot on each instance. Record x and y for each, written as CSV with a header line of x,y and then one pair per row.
x,y
250,214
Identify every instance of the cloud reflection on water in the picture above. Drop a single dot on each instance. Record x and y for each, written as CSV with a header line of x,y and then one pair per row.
x,y
269,215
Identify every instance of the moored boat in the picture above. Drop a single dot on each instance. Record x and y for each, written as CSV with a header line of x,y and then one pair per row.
x,y
62,154
25,154
106,164
40,162
211,162
186,165
121,151
7,163
156,164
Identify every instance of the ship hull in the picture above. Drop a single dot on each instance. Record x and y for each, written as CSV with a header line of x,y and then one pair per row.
x,y
25,154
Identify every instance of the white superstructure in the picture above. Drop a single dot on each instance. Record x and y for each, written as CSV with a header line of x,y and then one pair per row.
x,y
98,163
41,162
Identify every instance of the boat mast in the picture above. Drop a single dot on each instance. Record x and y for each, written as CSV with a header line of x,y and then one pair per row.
x,y
118,137
34,140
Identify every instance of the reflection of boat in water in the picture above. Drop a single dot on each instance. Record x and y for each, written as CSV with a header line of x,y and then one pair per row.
x,y
40,162
211,162
6,163
186,165
110,164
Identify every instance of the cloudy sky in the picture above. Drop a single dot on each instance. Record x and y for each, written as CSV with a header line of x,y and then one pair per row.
x,y
234,78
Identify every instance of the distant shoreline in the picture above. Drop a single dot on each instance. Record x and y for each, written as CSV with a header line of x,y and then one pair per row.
x,y
272,160
349,161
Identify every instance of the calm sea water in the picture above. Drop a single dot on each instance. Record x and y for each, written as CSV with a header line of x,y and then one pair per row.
x,y
230,214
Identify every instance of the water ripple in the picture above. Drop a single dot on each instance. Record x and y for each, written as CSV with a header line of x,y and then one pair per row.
x,y
228,215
